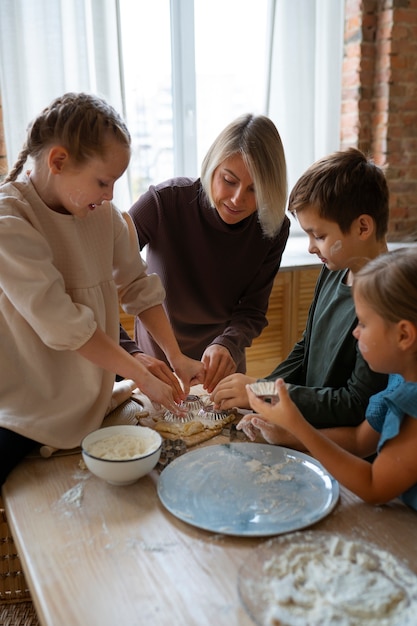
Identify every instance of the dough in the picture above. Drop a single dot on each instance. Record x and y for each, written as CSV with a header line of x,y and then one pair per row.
x,y
182,429
321,579
211,424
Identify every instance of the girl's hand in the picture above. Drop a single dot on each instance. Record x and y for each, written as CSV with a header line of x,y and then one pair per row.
x,y
218,363
284,414
161,370
189,371
255,427
160,393
246,426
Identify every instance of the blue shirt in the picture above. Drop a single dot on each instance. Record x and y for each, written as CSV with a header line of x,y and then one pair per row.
x,y
385,413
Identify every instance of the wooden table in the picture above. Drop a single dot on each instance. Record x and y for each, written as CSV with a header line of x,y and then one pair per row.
x,y
99,555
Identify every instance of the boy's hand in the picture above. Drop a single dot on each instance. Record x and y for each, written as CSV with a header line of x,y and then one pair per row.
x,y
231,392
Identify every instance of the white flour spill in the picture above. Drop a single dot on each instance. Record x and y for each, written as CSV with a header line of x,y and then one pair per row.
x,y
268,473
322,579
158,547
73,496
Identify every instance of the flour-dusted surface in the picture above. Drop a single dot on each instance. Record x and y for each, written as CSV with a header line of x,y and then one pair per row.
x,y
247,489
322,579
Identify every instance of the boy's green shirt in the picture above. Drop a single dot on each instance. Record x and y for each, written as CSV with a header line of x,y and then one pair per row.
x,y
330,381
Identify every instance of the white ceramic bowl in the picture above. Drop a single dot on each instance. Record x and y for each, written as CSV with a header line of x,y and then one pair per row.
x,y
127,470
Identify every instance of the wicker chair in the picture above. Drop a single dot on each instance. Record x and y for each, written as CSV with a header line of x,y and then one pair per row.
x,y
16,607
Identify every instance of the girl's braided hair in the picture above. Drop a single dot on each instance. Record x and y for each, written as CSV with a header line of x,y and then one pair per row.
x,y
80,122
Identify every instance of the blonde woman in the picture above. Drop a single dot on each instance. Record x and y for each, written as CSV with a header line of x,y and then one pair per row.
x,y
216,242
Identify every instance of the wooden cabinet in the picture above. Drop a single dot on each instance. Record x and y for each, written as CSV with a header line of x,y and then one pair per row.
x,y
128,323
289,302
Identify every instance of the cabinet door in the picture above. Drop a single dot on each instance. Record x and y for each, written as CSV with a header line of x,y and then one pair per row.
x,y
289,303
128,322
268,349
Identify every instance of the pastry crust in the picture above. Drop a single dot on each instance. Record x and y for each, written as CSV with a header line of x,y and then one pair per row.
x,y
218,424
182,429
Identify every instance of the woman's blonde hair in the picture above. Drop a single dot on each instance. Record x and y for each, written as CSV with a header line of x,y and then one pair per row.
x,y
80,122
257,140
388,284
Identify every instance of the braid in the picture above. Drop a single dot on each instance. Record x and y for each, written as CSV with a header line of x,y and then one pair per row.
x,y
78,121
18,166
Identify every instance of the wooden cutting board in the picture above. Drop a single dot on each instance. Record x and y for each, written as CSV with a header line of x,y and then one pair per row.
x,y
154,415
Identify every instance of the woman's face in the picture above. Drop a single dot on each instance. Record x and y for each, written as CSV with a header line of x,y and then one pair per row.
x,y
233,190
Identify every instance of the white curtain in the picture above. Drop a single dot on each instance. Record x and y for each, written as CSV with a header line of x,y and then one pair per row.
x,y
49,47
304,98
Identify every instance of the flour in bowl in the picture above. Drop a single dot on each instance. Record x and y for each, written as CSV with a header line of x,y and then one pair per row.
x,y
322,579
119,448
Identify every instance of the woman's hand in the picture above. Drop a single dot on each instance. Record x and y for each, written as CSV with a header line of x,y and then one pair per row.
x,y
218,363
231,392
189,371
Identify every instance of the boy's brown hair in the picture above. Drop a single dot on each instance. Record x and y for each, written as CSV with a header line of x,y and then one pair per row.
x,y
343,186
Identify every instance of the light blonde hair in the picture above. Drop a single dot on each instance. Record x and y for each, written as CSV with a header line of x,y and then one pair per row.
x,y
388,284
80,122
257,140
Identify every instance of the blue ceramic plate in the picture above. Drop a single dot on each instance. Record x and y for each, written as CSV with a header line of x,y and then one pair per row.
x,y
247,489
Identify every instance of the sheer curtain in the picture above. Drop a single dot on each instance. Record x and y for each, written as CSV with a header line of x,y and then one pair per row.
x,y
49,47
304,96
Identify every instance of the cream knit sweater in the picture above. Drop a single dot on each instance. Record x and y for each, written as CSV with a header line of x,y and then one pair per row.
x,y
61,277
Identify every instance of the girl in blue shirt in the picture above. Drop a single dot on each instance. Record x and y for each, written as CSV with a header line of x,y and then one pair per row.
x,y
385,295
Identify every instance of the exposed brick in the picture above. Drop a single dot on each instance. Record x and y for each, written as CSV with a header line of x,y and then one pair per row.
x,y
379,103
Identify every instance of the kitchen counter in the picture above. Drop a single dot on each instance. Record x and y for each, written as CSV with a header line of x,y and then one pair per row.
x,y
296,254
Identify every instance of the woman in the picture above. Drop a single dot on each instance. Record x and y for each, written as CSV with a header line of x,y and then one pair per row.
x,y
216,243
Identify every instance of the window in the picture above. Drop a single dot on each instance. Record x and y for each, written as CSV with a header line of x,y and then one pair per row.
x,y
179,70
218,71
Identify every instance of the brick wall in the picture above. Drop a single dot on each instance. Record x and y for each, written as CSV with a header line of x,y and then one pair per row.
x,y
379,98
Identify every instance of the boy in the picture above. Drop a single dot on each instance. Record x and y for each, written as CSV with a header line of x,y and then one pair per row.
x,y
341,202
